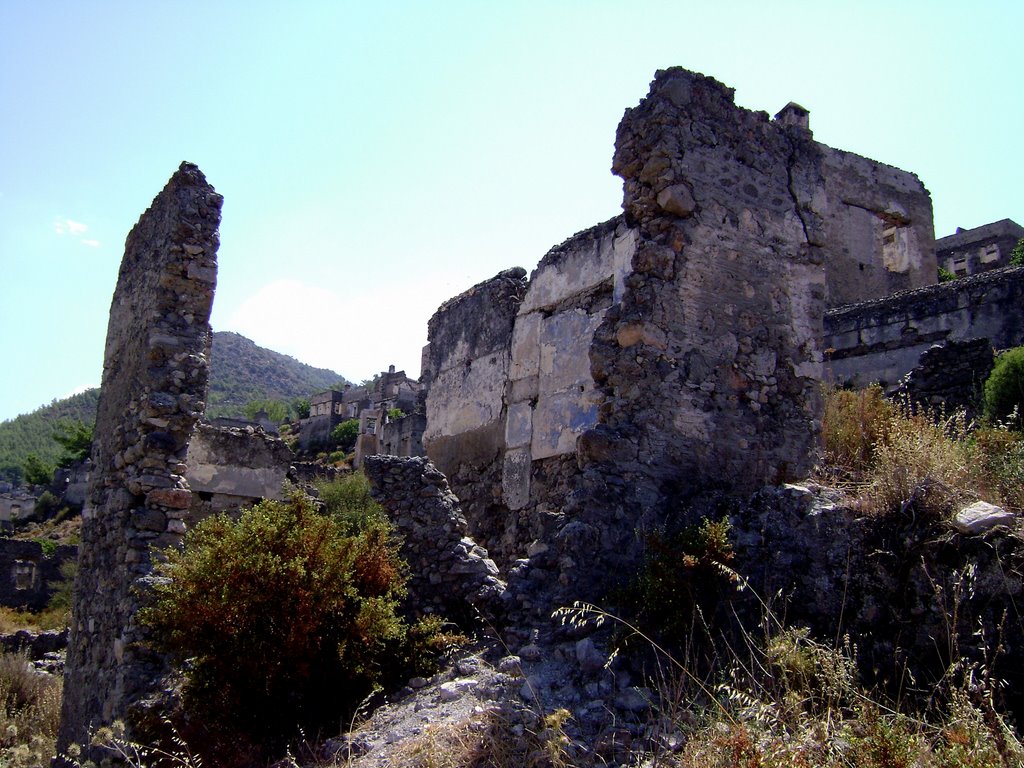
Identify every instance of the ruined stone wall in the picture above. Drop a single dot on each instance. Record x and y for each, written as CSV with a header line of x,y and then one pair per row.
x,y
228,468
949,377
450,574
878,233
672,347
404,436
881,341
466,366
28,575
710,364
154,386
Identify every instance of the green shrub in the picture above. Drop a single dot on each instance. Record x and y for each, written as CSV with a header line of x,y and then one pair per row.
x,y
347,499
344,435
286,620
945,275
47,505
1004,389
1017,254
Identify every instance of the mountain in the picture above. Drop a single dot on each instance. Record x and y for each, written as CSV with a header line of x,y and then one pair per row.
x,y
240,372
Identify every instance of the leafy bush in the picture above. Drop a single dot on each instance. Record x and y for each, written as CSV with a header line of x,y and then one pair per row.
x,y
348,500
344,435
1004,389
47,506
684,576
945,275
1017,254
286,619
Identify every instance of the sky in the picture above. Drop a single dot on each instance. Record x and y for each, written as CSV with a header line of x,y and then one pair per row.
x,y
378,158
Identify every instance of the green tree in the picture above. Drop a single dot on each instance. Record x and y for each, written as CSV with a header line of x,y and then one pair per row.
x,y
300,407
945,275
1017,254
35,471
276,411
394,414
345,434
1004,388
285,619
75,439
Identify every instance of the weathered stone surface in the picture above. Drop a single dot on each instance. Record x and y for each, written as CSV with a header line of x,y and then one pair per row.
x,y
449,573
882,340
229,468
980,517
158,341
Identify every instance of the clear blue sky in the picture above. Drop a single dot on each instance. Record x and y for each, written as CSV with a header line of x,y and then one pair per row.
x,y
378,158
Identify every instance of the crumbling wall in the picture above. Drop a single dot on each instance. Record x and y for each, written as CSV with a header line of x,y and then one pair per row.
x,y
949,377
154,385
228,468
673,347
466,366
877,221
450,574
28,574
882,340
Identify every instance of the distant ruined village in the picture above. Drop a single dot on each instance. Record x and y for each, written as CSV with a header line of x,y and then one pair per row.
x,y
679,348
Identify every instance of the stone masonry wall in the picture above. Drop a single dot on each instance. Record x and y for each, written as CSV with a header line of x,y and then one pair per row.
x,y
28,574
882,340
879,237
950,377
466,365
450,573
670,348
154,386
232,467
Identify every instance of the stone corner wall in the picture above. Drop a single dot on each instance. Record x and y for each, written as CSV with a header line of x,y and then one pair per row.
x,y
711,363
450,573
153,391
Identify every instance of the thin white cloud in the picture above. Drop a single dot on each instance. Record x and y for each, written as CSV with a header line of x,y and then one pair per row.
x,y
78,390
64,226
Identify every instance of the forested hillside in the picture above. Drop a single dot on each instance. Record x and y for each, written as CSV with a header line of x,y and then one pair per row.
x,y
240,372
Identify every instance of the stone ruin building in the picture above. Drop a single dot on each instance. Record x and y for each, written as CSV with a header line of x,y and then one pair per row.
x,y
982,249
372,404
678,347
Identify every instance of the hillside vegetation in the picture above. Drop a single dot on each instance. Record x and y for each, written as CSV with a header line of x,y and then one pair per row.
x,y
240,372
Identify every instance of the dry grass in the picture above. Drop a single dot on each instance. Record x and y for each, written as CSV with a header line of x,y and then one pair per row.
x,y
901,459
30,711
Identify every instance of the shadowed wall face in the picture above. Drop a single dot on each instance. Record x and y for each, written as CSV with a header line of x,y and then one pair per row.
x,y
154,388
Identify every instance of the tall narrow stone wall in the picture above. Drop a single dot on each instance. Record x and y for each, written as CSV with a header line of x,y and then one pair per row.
x,y
153,392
